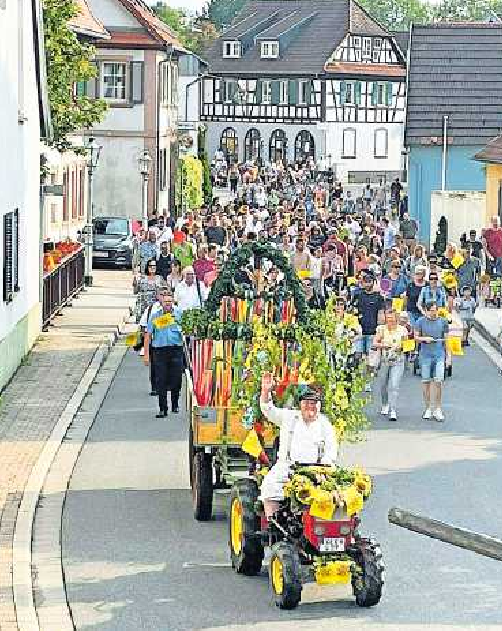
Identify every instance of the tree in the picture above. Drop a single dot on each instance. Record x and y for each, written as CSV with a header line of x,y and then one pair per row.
x,y
467,10
222,12
68,63
397,15
193,33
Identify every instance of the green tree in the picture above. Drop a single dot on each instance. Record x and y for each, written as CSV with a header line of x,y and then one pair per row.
x,y
222,12
207,187
466,10
68,63
192,33
397,15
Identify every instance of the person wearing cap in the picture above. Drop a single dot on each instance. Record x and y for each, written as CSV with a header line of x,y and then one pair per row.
x,y
306,436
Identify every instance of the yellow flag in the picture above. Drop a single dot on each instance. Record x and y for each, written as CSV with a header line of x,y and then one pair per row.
x,y
397,304
252,445
457,260
303,273
408,346
132,339
443,313
353,500
454,345
164,321
351,280
322,506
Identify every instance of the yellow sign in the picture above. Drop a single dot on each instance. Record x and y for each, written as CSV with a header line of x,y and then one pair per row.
x,y
164,321
353,500
334,572
457,260
132,339
397,304
322,506
454,345
443,313
351,280
303,273
409,346
252,445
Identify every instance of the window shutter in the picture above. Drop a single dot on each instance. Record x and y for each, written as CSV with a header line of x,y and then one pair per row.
x,y
10,248
136,70
92,86
358,92
374,94
15,243
276,92
308,92
233,91
343,92
81,88
258,91
293,91
388,93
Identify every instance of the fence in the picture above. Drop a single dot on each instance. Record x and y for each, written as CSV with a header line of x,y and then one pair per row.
x,y
62,284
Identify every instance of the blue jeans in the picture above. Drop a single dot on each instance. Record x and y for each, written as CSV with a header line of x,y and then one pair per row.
x,y
364,344
391,380
432,369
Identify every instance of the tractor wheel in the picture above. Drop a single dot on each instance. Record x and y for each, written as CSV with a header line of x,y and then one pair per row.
x,y
368,579
202,489
285,575
191,454
246,548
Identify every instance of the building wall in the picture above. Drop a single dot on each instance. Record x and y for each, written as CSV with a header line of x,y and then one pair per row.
x,y
424,176
493,183
464,210
19,182
112,14
215,131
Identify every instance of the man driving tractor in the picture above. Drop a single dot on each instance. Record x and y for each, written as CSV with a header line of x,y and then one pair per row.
x,y
306,436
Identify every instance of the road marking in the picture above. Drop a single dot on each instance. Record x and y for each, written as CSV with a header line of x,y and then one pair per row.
x,y
188,565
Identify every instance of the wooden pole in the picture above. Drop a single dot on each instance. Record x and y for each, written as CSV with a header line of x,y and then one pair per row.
x,y
459,537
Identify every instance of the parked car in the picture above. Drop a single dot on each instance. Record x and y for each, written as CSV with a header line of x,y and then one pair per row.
x,y
112,241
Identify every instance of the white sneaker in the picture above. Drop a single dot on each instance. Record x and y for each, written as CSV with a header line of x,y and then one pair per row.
x,y
385,410
393,415
438,415
367,387
142,352
427,415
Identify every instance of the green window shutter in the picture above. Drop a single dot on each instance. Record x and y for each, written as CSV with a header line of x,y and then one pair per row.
x,y
258,91
343,92
81,88
374,94
358,92
232,90
308,88
293,91
388,93
276,92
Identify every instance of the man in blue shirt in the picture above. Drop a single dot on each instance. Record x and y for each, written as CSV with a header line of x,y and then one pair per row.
x,y
430,333
164,333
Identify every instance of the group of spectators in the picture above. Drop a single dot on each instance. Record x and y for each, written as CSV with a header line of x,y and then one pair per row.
x,y
358,246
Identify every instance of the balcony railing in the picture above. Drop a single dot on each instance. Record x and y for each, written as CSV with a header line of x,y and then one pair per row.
x,y
62,284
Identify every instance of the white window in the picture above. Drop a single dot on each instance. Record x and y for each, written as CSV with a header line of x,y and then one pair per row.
x,y
356,41
381,94
366,47
284,92
349,143
377,43
269,50
381,143
114,83
303,92
230,90
232,50
350,93
266,92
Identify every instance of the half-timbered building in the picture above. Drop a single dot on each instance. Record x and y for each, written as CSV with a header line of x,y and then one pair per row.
x,y
297,78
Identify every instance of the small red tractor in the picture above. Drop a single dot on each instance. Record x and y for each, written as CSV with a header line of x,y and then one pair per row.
x,y
303,549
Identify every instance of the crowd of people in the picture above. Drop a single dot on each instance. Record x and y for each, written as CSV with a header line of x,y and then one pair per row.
x,y
363,249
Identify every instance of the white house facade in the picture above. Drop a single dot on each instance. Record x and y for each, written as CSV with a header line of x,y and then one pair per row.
x,y
25,118
320,78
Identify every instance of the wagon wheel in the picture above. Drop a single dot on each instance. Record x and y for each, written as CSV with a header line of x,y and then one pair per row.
x,y
202,488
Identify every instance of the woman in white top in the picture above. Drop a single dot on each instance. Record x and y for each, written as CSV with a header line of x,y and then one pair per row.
x,y
389,339
306,436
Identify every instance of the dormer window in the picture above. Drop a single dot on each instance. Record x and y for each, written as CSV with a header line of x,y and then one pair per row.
x,y
232,49
269,50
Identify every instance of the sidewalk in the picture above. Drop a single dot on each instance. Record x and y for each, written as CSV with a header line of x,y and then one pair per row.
x,y
488,324
32,403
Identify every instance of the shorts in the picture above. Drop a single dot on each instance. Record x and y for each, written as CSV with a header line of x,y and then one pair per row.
x,y
432,369
364,344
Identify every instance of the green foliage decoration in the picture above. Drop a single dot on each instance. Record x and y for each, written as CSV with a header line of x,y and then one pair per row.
x,y
189,183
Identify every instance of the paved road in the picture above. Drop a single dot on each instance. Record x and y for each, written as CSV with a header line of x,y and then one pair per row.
x,y
135,559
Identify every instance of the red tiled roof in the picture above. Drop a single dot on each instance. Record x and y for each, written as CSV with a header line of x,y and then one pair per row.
x,y
381,70
159,30
86,24
123,39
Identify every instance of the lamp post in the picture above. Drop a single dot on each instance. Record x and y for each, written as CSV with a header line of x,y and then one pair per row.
x,y
144,163
93,153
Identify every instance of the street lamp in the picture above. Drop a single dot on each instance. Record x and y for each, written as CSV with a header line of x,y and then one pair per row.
x,y
93,153
144,163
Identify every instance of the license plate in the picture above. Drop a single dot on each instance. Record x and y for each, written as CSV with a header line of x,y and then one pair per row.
x,y
332,544
100,255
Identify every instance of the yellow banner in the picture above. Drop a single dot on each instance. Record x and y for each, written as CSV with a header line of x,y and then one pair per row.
x,y
454,345
322,506
409,346
397,304
164,321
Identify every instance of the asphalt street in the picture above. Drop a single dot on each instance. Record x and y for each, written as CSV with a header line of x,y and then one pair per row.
x,y
135,559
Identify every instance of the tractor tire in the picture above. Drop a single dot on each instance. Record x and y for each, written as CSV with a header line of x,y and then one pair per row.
x,y
285,575
246,548
368,583
202,489
191,454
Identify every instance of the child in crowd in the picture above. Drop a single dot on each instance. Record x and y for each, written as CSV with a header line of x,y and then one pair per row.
x,y
466,307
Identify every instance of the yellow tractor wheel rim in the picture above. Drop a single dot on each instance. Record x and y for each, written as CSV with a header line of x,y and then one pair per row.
x,y
277,576
236,528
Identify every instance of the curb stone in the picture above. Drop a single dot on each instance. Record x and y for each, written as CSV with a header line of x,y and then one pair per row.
x,y
22,570
491,339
